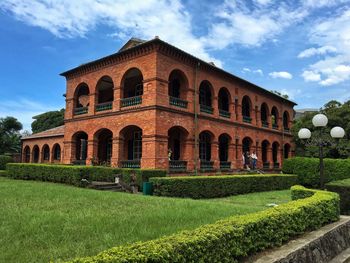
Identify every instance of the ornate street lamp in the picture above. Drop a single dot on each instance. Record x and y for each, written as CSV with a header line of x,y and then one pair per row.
x,y
320,121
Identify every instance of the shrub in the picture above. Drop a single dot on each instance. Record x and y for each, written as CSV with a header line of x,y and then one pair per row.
x,y
220,186
308,170
73,174
230,239
342,187
3,173
4,159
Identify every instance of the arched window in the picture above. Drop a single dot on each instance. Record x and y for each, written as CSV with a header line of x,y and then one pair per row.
x,y
246,109
274,117
205,146
247,144
132,146
224,103
264,114
36,154
176,145
26,155
275,150
104,145
105,94
46,153
81,99
264,153
132,83
286,121
57,152
81,147
205,97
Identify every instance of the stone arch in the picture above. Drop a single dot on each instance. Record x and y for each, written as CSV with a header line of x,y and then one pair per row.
x,y
35,154
178,84
105,90
132,83
81,96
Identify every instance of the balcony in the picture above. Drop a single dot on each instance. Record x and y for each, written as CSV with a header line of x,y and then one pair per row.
x,y
132,101
224,114
104,106
134,164
177,102
207,166
225,166
275,126
264,124
81,110
266,165
247,119
177,166
206,109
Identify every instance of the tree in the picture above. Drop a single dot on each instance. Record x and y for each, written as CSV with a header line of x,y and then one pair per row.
x,y
338,115
280,94
48,120
10,138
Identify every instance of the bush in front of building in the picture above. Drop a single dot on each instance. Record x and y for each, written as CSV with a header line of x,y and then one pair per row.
x,y
73,175
220,186
5,159
230,239
342,187
308,170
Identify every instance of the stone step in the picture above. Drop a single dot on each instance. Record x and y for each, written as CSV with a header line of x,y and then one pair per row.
x,y
107,186
344,257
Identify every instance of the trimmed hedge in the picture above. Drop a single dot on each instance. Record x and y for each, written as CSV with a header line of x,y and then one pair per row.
x,y
341,187
74,174
3,173
5,159
308,170
220,186
231,239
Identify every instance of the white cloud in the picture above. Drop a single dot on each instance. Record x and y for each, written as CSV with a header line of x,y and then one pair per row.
x,y
281,74
24,109
255,71
322,3
316,51
311,76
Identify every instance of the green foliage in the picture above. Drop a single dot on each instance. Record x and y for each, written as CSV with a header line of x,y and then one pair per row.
x,y
3,173
74,174
342,187
220,186
308,170
10,139
230,239
48,120
338,115
5,159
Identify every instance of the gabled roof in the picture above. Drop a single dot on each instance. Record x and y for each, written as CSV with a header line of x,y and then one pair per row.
x,y
54,132
134,44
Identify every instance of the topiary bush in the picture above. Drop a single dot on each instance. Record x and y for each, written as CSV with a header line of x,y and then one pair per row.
x,y
230,239
220,186
73,175
5,159
342,187
308,170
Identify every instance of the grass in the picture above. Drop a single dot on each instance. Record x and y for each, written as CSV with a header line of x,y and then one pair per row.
x,y
40,221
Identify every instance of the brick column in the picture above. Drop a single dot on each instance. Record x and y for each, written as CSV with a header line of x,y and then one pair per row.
x,y
215,105
239,112
269,156
232,154
92,103
239,151
68,152
258,117
117,93
116,152
91,152
154,152
189,155
215,155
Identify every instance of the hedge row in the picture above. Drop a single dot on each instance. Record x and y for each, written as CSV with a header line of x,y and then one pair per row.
x,y
231,239
342,187
220,186
74,174
3,173
308,170
5,159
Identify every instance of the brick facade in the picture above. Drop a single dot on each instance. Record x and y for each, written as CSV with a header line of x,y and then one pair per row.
x,y
119,111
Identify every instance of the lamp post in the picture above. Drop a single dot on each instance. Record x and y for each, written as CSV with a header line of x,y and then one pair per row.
x,y
320,121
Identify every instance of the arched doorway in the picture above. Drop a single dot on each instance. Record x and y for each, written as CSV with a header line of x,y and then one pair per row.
x,y
275,150
36,154
105,94
46,153
224,103
132,146
81,99
247,144
264,154
205,141
286,121
81,147
224,142
274,117
104,146
176,146
286,151
205,97
132,85
26,154
246,109
57,152
264,114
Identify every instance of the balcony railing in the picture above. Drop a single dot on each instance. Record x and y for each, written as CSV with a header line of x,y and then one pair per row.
x,y
275,126
265,124
80,110
247,119
225,166
206,109
224,114
276,165
286,129
177,166
135,164
178,102
104,106
207,166
79,162
132,101
266,165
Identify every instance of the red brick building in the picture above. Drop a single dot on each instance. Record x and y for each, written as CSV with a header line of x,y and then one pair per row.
x,y
152,105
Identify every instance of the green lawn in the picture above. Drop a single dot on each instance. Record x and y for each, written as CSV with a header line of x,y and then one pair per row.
x,y
43,221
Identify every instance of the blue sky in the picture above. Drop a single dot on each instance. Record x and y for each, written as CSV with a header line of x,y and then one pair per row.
x,y
300,48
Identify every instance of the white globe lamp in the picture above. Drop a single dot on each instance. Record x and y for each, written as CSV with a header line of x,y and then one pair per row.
x,y
304,133
337,132
320,120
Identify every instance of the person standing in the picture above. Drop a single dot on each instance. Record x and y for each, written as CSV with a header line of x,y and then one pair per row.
x,y
247,160
254,160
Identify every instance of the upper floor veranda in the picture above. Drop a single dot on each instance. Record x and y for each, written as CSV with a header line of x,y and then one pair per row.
x,y
155,74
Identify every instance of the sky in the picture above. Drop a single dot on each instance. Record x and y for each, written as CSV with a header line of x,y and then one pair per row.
x,y
299,48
